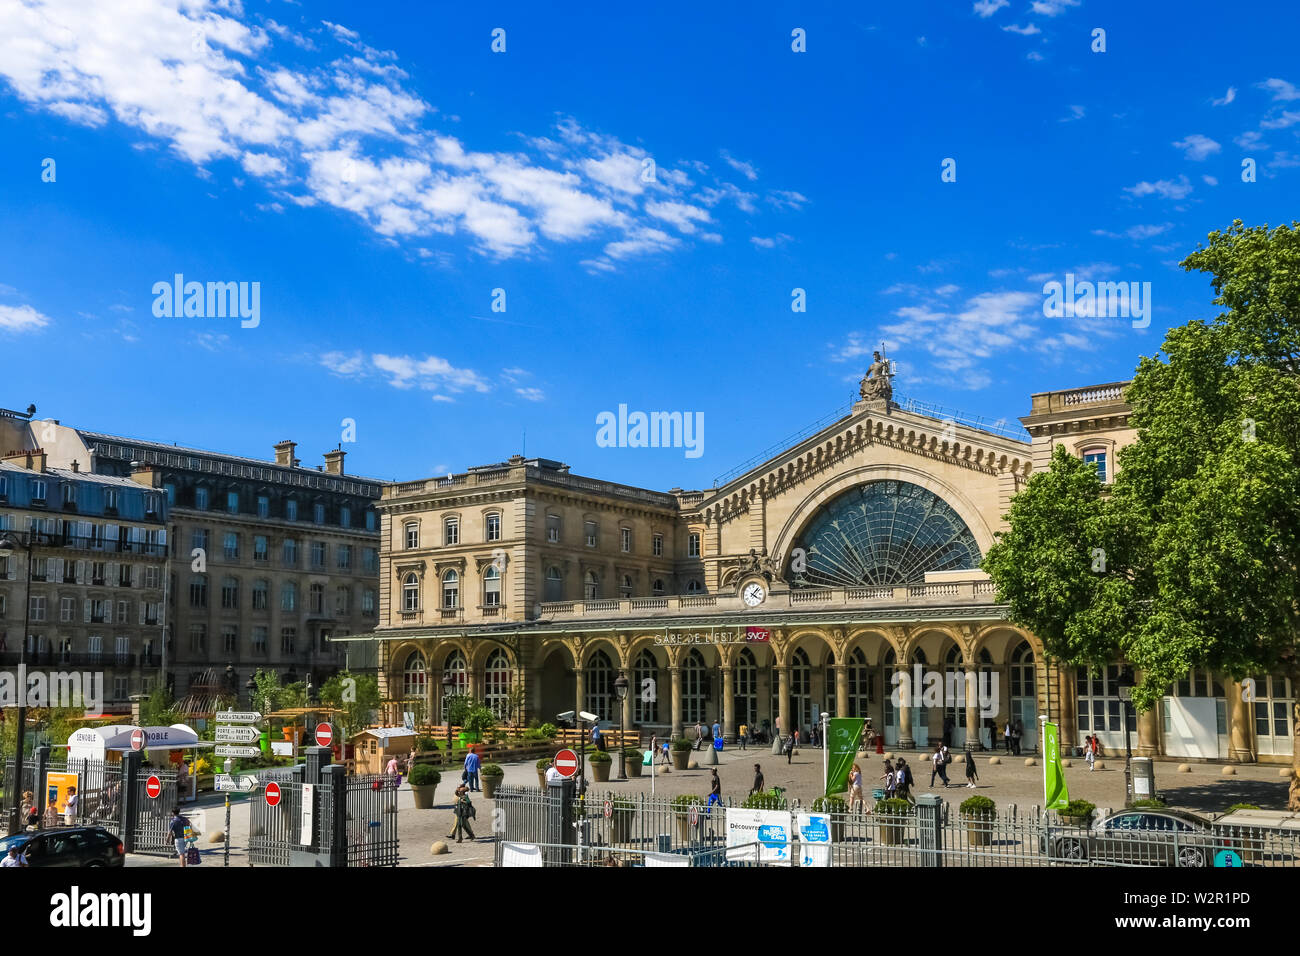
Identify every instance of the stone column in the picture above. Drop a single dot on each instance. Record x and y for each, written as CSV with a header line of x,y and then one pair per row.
x,y
783,698
842,691
1148,735
676,676
579,692
728,702
971,690
1241,725
905,739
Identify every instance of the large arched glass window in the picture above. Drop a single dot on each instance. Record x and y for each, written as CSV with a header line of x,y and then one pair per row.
x,y
883,533
745,682
451,590
554,584
599,684
496,684
414,677
1024,698
801,708
456,666
492,587
859,676
695,687
591,586
645,668
411,593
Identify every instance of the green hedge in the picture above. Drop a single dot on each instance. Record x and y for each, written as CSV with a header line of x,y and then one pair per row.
x,y
977,806
422,775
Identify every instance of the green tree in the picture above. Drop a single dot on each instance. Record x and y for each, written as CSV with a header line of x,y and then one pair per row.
x,y
1199,536
357,695
266,698
159,709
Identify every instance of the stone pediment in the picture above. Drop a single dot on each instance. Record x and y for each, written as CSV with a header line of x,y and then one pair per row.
x,y
871,423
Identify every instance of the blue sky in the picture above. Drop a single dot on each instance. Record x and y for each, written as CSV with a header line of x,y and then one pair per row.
x,y
379,170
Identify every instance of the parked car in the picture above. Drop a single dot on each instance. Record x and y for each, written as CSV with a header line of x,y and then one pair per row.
x,y
67,846
1137,838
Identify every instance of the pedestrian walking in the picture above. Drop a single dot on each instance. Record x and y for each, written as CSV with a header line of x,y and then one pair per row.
x,y
717,734
597,738
715,791
758,781
1090,752
699,735
464,812
855,788
1006,735
743,737
972,774
938,759
70,808
891,780
177,829
789,749
391,767
904,780
472,763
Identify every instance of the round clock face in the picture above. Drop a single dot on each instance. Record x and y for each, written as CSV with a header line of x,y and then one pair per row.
x,y
754,594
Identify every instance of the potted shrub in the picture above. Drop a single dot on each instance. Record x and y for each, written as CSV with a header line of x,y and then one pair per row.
x,y
837,808
624,814
768,800
892,814
632,758
1077,813
491,775
979,814
682,804
542,766
681,751
599,761
424,780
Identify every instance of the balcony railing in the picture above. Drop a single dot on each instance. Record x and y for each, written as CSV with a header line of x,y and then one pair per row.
x,y
46,540
58,660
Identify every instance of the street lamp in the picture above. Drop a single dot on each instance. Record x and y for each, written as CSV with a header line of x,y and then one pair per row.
x,y
448,682
9,546
620,691
1124,686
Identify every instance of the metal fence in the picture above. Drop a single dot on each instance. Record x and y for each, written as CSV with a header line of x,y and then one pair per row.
x,y
371,820
368,821
556,854
274,830
939,837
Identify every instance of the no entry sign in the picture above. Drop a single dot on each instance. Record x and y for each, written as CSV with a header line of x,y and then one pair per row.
x,y
324,735
137,739
153,788
566,762
272,794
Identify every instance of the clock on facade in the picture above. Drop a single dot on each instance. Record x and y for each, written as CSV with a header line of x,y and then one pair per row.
x,y
754,594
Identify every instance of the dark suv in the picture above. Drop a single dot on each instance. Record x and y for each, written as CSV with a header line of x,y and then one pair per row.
x,y
67,846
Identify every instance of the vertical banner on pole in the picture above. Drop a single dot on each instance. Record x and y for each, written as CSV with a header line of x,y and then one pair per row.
x,y
843,739
1055,793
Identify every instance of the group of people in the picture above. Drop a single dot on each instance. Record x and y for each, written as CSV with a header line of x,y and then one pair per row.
x,y
1012,731
1091,751
33,819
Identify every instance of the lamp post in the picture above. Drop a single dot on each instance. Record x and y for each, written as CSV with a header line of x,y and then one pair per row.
x,y
1124,686
620,691
9,546
448,682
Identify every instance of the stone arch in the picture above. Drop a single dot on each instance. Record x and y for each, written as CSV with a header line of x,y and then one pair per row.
x,y
861,639
808,509
813,640
1000,639
608,645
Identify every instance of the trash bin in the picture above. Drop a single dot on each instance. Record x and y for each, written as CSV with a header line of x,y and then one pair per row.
x,y
1144,778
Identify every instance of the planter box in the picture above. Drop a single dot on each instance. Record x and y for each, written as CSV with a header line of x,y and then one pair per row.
x,y
424,796
490,785
979,831
891,834
600,772
623,820
680,759
634,767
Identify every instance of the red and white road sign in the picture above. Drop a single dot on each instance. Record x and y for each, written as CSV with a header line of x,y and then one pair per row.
x,y
609,809
566,762
324,735
272,794
153,787
137,739
694,814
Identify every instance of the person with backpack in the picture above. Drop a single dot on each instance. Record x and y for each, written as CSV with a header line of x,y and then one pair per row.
x,y
464,811
177,829
940,766
972,774
904,781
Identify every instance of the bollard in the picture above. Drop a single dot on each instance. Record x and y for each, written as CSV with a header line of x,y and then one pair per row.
x,y
41,755
130,798
929,812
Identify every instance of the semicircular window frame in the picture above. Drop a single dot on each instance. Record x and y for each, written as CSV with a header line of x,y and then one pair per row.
x,y
884,533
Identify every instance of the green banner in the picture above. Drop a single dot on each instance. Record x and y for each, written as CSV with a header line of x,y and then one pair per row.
x,y
1055,793
845,734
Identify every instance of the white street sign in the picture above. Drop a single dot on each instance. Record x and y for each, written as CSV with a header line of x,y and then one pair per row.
x,y
308,789
238,717
226,750
237,734
283,748
244,783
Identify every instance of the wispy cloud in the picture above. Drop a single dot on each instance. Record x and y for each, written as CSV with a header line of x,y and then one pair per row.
x,y
1052,8
1197,147
986,8
429,372
21,318
1282,90
1025,31
1076,113
1226,98
745,169
1164,188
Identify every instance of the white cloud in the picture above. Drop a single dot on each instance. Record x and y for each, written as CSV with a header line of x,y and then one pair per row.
x,y
1281,120
1227,97
1281,89
212,341
1034,55
207,80
1210,180
1076,113
1164,188
1197,147
1252,139
1051,8
745,169
986,8
21,318
1025,31
531,394
430,373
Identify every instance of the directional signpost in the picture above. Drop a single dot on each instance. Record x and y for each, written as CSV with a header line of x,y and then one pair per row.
x,y
234,734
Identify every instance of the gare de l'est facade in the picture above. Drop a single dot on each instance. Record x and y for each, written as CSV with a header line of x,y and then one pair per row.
x,y
798,587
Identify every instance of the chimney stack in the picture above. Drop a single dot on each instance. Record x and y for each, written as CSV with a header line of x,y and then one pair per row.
x,y
284,452
334,461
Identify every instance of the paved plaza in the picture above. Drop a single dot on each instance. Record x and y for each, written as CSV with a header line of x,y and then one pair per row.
x,y
1204,789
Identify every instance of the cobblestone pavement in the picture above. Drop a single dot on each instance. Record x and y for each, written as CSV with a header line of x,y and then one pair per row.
x,y
1010,782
